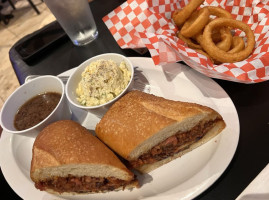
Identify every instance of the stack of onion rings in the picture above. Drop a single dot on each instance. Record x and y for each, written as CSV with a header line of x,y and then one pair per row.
x,y
223,56
213,37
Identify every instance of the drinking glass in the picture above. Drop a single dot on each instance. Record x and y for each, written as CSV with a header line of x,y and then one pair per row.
x,y
76,19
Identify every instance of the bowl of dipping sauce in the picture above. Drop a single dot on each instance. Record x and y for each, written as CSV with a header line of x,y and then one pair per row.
x,y
34,105
99,81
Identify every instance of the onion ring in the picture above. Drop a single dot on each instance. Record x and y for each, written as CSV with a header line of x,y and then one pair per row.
x,y
218,12
226,39
199,38
180,16
238,44
195,23
220,55
188,41
222,36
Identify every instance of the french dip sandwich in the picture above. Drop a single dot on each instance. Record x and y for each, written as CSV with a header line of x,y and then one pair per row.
x,y
149,131
68,159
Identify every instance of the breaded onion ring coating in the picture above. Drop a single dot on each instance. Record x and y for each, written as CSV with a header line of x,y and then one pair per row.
x,y
180,16
216,37
199,38
195,23
223,37
226,39
188,41
218,12
238,44
220,55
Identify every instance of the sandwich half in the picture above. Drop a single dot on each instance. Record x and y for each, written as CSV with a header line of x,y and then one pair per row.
x,y
68,159
149,131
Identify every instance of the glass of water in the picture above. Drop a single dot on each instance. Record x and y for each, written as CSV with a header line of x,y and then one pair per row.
x,y
76,19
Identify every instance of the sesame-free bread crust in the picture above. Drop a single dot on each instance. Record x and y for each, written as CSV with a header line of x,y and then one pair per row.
x,y
139,121
66,148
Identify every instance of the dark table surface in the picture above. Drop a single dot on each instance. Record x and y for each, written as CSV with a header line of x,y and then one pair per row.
x,y
251,102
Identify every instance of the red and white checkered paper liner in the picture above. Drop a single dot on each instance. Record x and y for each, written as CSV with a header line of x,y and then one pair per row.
x,y
148,23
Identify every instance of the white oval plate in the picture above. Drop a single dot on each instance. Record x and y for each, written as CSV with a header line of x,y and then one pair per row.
x,y
183,178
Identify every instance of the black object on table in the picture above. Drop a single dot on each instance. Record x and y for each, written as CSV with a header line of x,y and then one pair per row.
x,y
251,102
30,2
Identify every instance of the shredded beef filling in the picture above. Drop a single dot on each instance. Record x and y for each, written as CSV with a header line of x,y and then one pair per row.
x,y
82,184
173,144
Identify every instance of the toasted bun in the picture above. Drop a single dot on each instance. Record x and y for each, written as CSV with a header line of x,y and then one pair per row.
x,y
65,147
140,121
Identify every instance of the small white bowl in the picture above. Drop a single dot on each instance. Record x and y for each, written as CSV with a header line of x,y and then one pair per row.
x,y
27,91
75,78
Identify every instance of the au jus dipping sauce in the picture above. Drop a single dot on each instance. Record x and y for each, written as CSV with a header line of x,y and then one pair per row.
x,y
36,110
